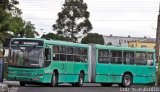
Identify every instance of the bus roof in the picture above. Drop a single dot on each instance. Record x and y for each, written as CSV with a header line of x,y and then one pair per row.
x,y
29,39
56,42
98,46
110,47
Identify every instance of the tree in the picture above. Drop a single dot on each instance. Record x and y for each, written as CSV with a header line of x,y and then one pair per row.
x,y
73,20
29,30
4,24
11,21
6,9
8,4
16,25
93,38
56,37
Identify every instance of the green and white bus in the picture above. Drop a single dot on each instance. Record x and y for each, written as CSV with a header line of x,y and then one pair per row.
x,y
34,60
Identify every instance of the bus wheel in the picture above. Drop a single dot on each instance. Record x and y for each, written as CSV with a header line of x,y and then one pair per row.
x,y
120,85
80,80
106,84
54,82
127,80
22,83
74,84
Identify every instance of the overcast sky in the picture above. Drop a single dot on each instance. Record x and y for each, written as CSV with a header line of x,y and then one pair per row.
x,y
137,18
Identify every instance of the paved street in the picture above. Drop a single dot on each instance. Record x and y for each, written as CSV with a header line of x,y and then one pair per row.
x,y
86,88
14,87
69,89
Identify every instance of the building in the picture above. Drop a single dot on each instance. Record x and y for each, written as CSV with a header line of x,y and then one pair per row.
x,y
120,40
145,43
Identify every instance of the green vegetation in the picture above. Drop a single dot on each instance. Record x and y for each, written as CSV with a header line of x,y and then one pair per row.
x,y
12,25
73,20
93,38
11,22
56,37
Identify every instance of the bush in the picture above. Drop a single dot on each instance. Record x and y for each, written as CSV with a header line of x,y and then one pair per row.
x,y
94,38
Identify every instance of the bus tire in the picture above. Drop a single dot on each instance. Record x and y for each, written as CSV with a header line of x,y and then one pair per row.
x,y
74,84
22,83
54,82
127,80
106,84
120,84
80,79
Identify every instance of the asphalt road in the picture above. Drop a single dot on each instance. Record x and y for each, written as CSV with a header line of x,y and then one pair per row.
x,y
69,88
13,86
86,88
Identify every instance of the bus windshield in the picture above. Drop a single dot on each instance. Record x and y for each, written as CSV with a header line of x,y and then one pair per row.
x,y
29,56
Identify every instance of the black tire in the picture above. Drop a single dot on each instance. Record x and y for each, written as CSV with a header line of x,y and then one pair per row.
x,y
80,80
127,80
106,84
120,85
74,84
22,83
54,82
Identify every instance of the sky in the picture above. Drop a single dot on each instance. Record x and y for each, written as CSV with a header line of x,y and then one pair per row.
x,y
137,18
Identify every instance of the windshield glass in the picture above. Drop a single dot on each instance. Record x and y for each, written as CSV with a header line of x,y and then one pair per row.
x,y
31,56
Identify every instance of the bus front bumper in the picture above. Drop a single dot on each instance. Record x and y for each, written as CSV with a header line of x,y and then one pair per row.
x,y
28,75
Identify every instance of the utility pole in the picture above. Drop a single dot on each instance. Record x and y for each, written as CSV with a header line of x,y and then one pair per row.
x,y
158,44
41,31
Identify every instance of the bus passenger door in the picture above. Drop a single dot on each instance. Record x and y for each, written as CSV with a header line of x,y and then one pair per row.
x,y
116,66
60,62
69,69
102,66
151,67
69,64
141,70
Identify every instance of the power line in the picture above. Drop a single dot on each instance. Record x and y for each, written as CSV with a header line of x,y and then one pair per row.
x,y
51,19
41,4
92,3
105,10
84,1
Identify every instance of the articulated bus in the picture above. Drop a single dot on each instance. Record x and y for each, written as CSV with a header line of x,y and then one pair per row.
x,y
34,60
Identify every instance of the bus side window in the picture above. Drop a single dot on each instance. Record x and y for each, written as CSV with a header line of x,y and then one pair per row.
x,y
128,57
150,61
56,53
116,57
69,53
76,53
48,54
140,58
83,55
103,56
62,50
